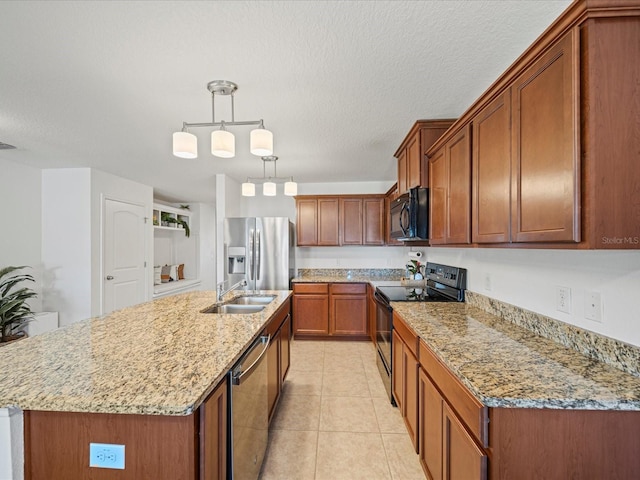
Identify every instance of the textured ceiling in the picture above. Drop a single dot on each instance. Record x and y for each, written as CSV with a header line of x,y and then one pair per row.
x,y
104,84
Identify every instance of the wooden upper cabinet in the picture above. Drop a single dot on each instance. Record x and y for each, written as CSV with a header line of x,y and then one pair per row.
x,y
340,220
438,197
373,230
414,162
351,221
328,221
411,155
545,141
402,171
307,221
450,191
459,209
491,185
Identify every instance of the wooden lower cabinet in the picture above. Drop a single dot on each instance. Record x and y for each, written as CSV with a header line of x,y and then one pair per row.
x,y
336,309
348,309
405,368
461,457
278,354
311,309
213,435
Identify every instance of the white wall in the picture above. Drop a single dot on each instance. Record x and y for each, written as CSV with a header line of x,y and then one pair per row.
x,y
72,223
66,242
21,231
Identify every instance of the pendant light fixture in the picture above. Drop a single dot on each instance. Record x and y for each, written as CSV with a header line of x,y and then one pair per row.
x,y
269,183
223,142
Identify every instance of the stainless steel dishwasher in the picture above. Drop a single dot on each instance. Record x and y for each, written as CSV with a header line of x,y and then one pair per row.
x,y
249,423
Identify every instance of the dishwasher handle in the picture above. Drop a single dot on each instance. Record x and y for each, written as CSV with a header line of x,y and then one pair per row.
x,y
238,379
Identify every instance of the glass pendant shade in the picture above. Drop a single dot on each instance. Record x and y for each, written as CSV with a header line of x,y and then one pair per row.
x,y
269,189
248,189
261,142
185,145
223,144
291,188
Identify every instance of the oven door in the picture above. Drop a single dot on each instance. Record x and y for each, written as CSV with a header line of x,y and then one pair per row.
x,y
384,325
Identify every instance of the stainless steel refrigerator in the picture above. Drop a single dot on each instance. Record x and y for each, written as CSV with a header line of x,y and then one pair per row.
x,y
260,250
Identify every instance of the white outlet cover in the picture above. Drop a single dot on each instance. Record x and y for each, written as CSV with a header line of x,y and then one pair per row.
x,y
563,299
593,306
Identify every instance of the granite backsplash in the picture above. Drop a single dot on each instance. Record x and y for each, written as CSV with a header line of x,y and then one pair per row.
x,y
598,347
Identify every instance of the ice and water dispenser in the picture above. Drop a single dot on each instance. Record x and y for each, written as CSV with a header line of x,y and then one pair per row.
x,y
236,260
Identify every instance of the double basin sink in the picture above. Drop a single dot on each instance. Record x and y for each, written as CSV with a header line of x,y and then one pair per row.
x,y
242,305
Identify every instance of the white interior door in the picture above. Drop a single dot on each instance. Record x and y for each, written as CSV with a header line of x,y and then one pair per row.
x,y
124,256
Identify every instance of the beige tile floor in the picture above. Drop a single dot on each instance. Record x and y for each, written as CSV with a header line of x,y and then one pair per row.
x,y
334,420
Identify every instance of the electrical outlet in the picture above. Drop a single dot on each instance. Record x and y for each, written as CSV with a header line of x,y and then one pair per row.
x,y
593,306
563,299
106,455
487,282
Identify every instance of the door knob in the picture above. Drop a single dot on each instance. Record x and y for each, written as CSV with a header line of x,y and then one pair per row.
x,y
109,277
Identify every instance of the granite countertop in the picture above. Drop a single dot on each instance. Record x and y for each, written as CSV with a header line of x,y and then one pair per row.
x,y
505,365
161,358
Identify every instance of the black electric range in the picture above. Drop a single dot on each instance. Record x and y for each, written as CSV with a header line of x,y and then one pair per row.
x,y
443,284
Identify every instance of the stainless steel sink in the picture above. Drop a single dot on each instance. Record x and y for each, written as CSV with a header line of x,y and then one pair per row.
x,y
252,300
230,308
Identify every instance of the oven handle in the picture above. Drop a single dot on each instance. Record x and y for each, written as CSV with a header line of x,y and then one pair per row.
x,y
380,300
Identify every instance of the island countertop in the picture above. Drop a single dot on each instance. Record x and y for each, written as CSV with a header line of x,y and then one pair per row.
x,y
162,357
504,365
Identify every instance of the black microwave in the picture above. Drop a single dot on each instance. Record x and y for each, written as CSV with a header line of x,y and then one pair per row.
x,y
409,216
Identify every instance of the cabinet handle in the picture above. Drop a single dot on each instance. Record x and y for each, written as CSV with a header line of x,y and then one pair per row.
x,y
109,277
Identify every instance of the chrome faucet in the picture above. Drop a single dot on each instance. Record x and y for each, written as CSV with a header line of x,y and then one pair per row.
x,y
222,293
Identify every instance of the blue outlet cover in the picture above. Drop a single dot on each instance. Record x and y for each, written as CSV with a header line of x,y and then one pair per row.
x,y
106,455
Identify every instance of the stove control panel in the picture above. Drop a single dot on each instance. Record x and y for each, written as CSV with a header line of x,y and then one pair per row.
x,y
452,276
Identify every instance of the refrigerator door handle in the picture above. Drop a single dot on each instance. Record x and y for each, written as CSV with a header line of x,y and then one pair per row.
x,y
251,252
258,237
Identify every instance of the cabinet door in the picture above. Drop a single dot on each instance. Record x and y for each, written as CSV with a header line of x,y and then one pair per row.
x,y
410,369
430,427
307,225
285,349
213,435
414,161
328,221
397,387
348,314
402,172
373,231
371,313
546,142
351,221
438,200
457,151
463,459
273,372
492,172
311,314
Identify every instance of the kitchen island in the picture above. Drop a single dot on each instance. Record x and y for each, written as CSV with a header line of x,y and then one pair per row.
x,y
141,376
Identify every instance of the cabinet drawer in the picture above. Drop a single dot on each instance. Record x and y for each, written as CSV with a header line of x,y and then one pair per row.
x,y
469,409
310,288
348,288
406,334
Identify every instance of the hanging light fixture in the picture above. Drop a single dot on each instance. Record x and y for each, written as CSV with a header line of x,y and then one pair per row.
x,y
223,143
269,183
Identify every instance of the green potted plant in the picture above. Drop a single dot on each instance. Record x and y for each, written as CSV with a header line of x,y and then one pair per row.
x,y
167,218
15,312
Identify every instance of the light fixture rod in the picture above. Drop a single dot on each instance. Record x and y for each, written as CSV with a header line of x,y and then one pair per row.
x,y
218,124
